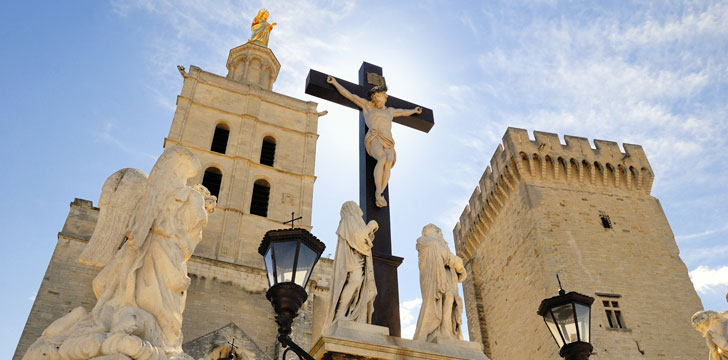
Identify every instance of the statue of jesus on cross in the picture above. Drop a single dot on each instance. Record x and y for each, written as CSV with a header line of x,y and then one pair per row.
x,y
377,111
378,139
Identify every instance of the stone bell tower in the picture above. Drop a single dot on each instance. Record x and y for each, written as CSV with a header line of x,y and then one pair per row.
x,y
585,213
257,148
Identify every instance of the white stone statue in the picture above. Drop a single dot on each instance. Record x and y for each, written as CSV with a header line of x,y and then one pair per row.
x,y
440,272
714,328
147,230
378,139
353,288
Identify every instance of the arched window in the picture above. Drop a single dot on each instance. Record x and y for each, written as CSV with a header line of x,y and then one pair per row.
x,y
268,151
220,138
259,202
212,180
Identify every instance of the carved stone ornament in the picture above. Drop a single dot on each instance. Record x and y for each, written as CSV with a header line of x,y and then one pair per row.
x,y
148,228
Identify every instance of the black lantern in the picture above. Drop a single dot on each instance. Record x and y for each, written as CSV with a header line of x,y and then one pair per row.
x,y
568,317
290,255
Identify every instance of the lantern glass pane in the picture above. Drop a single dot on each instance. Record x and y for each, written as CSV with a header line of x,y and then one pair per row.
x,y
566,322
583,316
269,266
553,329
285,252
306,260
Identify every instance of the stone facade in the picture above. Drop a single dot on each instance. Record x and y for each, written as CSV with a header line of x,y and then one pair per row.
x,y
228,275
543,208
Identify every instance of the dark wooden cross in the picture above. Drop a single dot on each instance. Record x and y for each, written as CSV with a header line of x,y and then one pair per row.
x,y
292,219
386,304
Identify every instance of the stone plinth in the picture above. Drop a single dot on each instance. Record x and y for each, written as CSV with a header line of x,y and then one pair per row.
x,y
349,340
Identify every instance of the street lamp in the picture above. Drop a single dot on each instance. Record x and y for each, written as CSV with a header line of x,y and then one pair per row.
x,y
289,255
568,317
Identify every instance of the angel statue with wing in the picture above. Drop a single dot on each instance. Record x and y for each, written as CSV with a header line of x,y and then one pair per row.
x,y
148,227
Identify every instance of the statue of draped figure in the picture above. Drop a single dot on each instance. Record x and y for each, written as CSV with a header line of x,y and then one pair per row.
x,y
353,289
148,228
440,271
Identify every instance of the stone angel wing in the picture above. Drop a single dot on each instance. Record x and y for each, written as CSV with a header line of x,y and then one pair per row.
x,y
119,197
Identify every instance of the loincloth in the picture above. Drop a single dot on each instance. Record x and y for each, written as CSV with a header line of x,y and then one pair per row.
x,y
386,141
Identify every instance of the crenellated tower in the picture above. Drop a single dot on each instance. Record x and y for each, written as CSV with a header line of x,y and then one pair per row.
x,y
542,208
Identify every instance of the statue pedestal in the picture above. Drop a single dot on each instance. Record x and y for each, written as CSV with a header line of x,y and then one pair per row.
x,y
348,340
253,63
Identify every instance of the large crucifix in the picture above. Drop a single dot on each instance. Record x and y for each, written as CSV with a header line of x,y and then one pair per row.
x,y
373,195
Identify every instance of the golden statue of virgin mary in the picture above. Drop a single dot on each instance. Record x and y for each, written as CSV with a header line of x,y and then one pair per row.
x,y
261,28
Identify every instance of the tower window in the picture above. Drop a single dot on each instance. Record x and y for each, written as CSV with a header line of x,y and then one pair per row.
x,y
212,180
259,202
268,151
614,314
220,139
606,222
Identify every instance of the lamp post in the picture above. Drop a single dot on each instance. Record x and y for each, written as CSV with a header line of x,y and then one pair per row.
x,y
568,318
289,255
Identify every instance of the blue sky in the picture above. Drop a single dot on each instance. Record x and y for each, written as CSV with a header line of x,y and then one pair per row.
x,y
89,88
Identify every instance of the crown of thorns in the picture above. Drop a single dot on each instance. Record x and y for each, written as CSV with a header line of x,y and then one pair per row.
x,y
376,89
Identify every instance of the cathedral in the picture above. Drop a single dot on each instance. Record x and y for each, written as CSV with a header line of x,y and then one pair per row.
x,y
540,208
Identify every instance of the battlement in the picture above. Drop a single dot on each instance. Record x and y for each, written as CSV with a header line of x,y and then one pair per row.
x,y
546,161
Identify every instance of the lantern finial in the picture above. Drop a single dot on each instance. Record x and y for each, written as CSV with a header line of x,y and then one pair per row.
x,y
292,219
561,289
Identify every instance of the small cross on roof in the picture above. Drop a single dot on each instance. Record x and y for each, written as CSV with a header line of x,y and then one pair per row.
x,y
292,219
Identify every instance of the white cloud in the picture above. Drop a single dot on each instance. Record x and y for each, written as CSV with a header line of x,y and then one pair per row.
x,y
702,233
408,313
696,255
468,22
711,21
595,79
707,279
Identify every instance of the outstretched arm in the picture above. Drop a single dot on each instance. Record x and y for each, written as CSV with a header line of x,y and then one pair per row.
x,y
345,93
407,112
